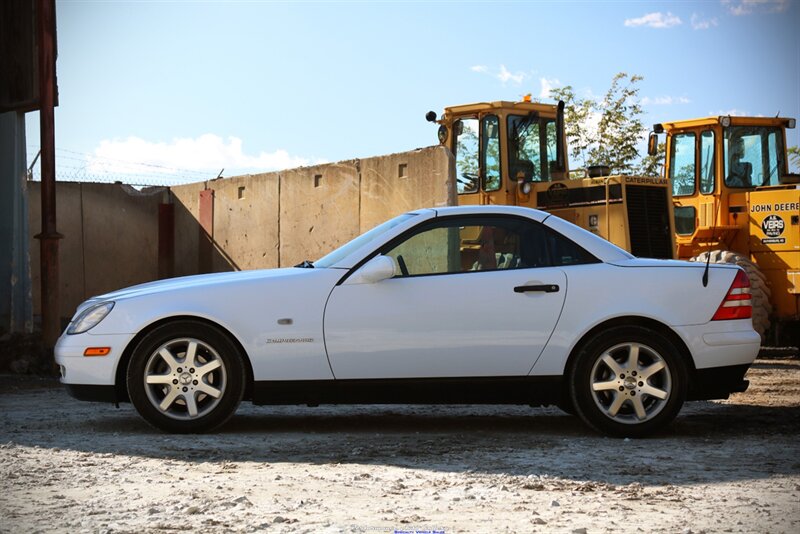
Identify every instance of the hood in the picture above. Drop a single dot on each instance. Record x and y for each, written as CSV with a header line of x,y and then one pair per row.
x,y
197,282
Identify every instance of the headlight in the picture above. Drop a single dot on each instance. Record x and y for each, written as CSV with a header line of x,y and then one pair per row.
x,y
89,318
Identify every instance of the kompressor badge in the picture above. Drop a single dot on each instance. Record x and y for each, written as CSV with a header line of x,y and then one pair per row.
x,y
773,226
290,340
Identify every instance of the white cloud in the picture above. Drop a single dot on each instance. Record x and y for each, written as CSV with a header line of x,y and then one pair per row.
x,y
206,153
702,24
547,86
732,112
655,20
746,7
664,100
506,76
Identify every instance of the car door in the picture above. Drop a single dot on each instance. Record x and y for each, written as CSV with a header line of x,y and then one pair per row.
x,y
473,296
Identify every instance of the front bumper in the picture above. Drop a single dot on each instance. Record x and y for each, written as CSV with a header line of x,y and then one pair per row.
x,y
93,393
78,369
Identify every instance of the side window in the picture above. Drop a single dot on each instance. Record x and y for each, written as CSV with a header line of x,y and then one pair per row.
x,y
564,252
773,174
552,142
685,220
753,156
490,155
431,251
707,162
466,152
524,148
531,147
483,244
682,170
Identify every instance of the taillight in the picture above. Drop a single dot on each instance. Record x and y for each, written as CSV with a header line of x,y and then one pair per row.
x,y
737,304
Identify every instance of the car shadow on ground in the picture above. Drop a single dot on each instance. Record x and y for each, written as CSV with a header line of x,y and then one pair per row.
x,y
709,442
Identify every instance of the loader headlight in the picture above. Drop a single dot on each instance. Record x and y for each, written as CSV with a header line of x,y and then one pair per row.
x,y
442,134
90,317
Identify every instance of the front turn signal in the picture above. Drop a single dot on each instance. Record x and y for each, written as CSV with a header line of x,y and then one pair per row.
x,y
97,351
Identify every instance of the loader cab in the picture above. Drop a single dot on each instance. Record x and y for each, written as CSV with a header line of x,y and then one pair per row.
x,y
514,154
501,148
714,165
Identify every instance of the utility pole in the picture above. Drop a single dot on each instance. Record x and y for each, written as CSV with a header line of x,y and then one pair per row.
x,y
48,238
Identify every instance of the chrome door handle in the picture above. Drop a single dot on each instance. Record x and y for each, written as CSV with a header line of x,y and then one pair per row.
x,y
546,288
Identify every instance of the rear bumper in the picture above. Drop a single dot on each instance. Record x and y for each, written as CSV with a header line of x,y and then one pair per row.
x,y
721,344
718,382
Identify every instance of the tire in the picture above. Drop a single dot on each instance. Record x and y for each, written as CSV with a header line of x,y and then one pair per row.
x,y
180,393
653,387
761,294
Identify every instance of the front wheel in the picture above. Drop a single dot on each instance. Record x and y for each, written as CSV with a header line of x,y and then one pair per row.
x,y
628,381
186,377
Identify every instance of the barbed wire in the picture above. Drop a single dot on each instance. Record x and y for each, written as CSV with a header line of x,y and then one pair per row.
x,y
74,166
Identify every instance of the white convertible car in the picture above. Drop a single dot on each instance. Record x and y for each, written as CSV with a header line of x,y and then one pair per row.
x,y
499,305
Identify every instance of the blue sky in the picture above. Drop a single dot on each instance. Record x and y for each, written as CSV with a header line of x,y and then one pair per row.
x,y
188,88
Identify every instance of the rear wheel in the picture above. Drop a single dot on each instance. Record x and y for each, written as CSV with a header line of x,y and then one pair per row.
x,y
628,381
186,377
759,290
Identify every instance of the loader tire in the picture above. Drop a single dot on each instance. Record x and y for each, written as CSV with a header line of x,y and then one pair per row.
x,y
759,289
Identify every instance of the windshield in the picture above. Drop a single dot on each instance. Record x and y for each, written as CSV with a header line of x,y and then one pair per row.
x,y
531,147
348,248
753,156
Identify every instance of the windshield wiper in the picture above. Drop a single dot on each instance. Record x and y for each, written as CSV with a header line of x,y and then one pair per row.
x,y
305,265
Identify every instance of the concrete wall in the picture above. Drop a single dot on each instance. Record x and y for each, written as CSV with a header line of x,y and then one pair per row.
x,y
110,239
244,232
394,184
257,221
282,218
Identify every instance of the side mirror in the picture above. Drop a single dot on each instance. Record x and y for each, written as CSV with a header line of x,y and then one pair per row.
x,y
652,144
377,269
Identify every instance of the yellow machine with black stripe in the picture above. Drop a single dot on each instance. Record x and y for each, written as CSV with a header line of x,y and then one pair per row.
x,y
735,201
514,153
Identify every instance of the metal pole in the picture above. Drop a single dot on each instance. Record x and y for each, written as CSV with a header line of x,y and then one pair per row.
x,y
48,238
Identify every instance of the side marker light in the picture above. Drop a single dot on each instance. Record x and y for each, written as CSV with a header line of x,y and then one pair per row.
x,y
97,351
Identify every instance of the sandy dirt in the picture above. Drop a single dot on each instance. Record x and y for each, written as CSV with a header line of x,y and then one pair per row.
x,y
731,466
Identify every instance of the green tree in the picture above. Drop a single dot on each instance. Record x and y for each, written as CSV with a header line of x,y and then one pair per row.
x,y
620,128
615,139
653,165
794,158
577,118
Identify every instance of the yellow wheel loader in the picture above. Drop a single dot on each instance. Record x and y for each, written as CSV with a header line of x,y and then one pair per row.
x,y
514,153
735,202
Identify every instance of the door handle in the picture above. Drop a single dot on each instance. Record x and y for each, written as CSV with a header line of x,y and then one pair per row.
x,y
546,288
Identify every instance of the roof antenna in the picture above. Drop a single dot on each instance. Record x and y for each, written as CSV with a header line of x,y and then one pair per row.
x,y
713,231
705,272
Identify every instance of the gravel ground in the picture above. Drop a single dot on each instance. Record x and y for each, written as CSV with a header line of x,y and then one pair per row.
x,y
732,466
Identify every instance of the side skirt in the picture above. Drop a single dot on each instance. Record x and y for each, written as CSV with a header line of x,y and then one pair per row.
x,y
533,390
